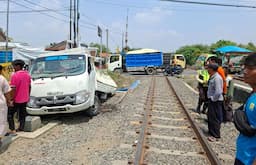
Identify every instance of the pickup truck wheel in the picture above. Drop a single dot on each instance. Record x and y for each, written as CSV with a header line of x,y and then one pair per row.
x,y
95,109
150,71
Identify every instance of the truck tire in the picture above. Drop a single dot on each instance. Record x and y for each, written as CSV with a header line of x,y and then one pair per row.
x,y
95,109
151,71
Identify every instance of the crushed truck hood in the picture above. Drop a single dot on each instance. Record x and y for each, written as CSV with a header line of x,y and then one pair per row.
x,y
58,86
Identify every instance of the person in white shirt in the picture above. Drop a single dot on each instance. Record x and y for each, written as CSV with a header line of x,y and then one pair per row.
x,y
4,102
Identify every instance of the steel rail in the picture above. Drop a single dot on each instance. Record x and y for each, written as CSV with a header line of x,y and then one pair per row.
x,y
207,148
141,144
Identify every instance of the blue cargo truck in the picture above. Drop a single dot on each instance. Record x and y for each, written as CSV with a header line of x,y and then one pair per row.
x,y
5,56
147,60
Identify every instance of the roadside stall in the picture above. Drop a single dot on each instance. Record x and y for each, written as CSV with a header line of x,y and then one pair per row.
x,y
232,57
17,51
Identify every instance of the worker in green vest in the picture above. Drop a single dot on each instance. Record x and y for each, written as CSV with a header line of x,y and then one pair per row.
x,y
202,78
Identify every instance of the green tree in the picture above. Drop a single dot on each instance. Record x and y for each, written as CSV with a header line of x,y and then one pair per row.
x,y
249,46
104,48
3,36
221,43
191,52
130,49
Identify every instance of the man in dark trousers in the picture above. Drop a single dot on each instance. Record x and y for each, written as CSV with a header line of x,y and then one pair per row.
x,y
215,96
20,84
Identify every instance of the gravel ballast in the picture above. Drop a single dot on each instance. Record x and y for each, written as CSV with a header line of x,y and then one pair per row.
x,y
107,139
225,148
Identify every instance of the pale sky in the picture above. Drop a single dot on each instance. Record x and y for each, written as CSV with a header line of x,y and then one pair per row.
x,y
165,26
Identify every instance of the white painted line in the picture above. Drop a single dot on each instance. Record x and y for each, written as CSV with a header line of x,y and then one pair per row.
x,y
243,87
119,162
226,157
237,85
164,137
126,146
192,89
169,119
169,126
176,152
40,131
170,112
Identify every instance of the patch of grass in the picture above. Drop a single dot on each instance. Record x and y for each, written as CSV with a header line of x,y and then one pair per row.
x,y
121,80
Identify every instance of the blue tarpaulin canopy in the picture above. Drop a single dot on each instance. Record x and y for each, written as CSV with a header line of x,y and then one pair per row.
x,y
232,49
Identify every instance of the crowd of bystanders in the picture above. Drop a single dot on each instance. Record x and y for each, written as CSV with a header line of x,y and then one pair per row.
x,y
13,99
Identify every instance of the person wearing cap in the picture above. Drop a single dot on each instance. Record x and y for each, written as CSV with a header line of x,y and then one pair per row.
x,y
20,84
215,104
5,100
245,145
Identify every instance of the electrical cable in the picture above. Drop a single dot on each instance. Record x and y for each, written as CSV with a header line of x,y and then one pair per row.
x,y
33,3
55,11
31,11
56,18
176,8
210,4
22,5
46,9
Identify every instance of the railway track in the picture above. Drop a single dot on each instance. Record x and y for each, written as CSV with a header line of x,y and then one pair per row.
x,y
167,134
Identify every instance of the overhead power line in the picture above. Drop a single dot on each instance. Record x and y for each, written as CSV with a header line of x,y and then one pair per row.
x,y
35,4
46,9
82,21
168,8
31,11
56,18
22,5
211,4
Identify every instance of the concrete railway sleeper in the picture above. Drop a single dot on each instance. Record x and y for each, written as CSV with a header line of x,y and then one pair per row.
x,y
167,134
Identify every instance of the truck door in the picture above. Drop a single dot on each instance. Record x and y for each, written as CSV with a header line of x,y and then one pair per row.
x,y
181,61
92,78
115,62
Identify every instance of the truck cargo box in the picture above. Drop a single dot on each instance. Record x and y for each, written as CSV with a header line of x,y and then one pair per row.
x,y
144,60
3,56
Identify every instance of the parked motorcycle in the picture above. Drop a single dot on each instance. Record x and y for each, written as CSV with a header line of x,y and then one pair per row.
x,y
171,70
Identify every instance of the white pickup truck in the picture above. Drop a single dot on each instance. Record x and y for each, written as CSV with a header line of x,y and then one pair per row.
x,y
63,82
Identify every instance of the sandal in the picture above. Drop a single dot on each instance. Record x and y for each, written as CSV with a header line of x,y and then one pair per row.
x,y
211,139
11,134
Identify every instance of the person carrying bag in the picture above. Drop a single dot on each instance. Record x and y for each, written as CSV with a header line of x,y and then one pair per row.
x,y
245,118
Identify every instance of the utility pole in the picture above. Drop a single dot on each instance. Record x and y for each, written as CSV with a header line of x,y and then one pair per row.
x,y
101,45
122,41
7,29
100,35
126,33
74,24
70,23
107,39
77,23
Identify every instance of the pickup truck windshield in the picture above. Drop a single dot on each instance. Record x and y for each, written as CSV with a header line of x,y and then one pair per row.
x,y
57,66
